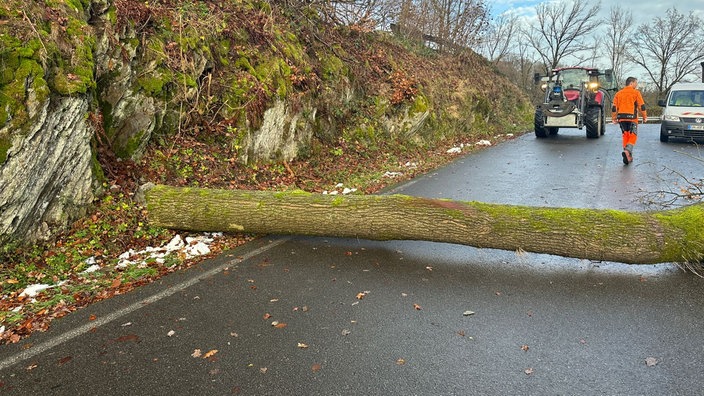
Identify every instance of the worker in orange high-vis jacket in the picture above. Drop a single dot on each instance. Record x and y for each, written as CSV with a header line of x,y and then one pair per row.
x,y
626,105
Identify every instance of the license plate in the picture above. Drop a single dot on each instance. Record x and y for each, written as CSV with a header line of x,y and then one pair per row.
x,y
696,127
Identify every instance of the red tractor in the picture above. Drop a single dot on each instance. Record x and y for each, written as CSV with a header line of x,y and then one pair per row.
x,y
574,98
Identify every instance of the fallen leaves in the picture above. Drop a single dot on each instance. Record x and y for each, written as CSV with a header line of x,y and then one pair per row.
x,y
278,325
128,338
198,353
64,360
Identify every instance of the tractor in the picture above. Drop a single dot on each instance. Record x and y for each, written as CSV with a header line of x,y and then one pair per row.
x,y
574,98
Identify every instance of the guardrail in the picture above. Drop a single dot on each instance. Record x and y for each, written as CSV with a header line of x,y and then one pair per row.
x,y
651,120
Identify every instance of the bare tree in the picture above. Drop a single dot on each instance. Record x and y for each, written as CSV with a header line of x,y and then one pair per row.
x,y
618,30
669,48
563,29
451,23
594,53
519,66
459,22
369,13
500,38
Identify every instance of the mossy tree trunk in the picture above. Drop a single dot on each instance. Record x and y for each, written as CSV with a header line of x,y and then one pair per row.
x,y
675,235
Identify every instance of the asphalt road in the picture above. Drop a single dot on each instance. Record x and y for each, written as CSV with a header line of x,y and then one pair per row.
x,y
326,316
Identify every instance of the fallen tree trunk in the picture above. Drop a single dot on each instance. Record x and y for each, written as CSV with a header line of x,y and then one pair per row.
x,y
675,235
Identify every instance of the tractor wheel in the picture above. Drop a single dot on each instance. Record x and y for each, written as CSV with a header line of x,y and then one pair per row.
x,y
594,121
553,130
539,122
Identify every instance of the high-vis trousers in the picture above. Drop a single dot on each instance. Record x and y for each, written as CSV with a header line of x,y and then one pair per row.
x,y
629,134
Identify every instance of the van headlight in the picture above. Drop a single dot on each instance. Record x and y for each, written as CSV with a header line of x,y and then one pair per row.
x,y
671,118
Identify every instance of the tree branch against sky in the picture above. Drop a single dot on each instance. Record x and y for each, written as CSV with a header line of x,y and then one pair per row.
x,y
669,48
459,22
618,30
563,30
500,38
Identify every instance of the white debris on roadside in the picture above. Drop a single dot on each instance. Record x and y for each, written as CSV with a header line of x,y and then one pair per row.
x,y
91,269
92,265
199,248
344,191
191,247
33,290
454,150
392,175
2,329
176,243
483,143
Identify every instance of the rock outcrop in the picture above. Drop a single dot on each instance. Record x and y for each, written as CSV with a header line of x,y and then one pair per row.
x,y
117,73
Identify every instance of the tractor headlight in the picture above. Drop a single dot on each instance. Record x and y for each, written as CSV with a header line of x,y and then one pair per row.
x,y
593,86
671,118
544,87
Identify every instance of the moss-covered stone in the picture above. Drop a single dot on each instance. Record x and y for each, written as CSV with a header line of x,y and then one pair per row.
x,y
153,83
5,144
420,104
332,67
131,146
13,94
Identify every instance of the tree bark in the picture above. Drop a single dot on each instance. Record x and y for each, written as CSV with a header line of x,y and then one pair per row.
x,y
675,235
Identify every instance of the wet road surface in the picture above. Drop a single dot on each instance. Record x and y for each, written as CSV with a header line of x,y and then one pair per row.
x,y
326,316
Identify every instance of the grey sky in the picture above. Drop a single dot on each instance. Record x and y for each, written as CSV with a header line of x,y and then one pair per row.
x,y
643,11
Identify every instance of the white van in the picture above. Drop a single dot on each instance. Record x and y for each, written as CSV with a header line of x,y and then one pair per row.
x,y
683,116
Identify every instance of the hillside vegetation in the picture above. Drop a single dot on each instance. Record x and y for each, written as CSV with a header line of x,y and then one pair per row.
x,y
363,108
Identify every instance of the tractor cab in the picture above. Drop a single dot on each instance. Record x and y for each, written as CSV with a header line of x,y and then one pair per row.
x,y
573,98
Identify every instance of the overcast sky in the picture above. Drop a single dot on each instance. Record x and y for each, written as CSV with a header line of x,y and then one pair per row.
x,y
643,11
